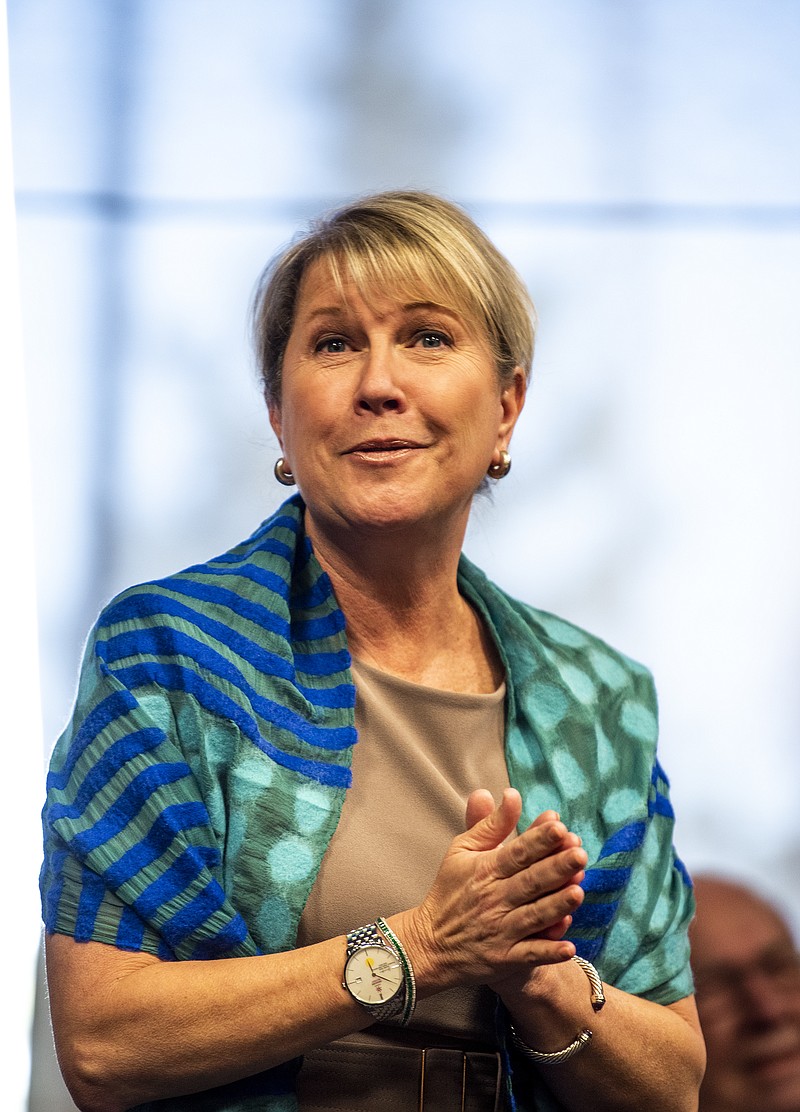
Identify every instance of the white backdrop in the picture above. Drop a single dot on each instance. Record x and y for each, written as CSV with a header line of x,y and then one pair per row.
x,y
19,674
640,164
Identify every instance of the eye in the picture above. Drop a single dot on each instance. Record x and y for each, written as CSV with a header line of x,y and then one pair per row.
x,y
433,340
331,345
780,963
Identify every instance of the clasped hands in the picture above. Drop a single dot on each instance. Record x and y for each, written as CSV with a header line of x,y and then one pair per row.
x,y
501,902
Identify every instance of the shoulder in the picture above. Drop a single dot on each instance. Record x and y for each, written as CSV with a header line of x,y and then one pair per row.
x,y
236,599
259,566
580,659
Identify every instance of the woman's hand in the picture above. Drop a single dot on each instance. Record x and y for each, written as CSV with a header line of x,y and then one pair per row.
x,y
500,905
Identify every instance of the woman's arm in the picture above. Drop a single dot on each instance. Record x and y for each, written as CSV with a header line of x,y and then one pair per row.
x,y
131,1028
642,1055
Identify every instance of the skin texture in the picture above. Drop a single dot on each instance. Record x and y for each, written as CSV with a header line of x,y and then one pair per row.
x,y
748,996
389,418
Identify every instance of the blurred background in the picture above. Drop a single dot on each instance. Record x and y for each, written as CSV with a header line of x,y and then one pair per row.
x,y
638,161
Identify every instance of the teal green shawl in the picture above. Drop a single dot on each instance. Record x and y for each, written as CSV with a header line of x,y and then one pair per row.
x,y
193,795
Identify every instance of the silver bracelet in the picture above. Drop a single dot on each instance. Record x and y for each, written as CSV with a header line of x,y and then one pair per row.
x,y
556,1057
598,997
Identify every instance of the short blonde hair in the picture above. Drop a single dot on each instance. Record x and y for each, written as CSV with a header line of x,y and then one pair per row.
x,y
409,242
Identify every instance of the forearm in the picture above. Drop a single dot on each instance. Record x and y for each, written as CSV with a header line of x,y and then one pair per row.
x,y
642,1055
137,1029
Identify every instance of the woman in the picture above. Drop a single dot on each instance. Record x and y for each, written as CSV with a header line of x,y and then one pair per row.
x,y
209,802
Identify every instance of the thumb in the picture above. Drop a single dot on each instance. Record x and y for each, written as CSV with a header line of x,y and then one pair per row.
x,y
479,806
488,826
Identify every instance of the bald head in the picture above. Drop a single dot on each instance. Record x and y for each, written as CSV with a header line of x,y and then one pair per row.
x,y
747,978
720,904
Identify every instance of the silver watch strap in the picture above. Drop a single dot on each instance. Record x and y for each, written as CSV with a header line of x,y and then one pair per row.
x,y
369,935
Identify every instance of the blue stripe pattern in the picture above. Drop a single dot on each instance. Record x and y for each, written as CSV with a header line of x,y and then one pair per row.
x,y
218,646
99,718
126,807
659,803
93,890
130,934
171,822
605,882
174,678
604,885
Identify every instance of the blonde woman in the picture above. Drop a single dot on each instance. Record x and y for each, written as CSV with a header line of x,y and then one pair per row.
x,y
337,821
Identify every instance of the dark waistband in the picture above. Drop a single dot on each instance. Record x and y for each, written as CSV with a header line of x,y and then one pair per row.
x,y
352,1076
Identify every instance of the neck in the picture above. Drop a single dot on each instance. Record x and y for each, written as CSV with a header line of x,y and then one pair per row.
x,y
404,613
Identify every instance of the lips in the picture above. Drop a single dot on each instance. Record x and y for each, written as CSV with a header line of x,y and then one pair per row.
x,y
773,1049
384,445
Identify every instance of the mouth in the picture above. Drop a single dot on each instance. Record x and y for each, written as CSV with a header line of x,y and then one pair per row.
x,y
779,1052
379,447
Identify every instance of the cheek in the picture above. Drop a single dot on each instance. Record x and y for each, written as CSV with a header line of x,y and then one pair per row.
x,y
276,424
308,431
721,1033
483,416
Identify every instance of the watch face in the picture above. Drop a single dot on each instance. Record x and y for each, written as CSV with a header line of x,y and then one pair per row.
x,y
373,975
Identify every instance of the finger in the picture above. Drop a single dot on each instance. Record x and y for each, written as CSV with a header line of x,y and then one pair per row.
x,y
542,951
535,919
561,870
479,806
546,816
553,816
495,827
533,845
557,931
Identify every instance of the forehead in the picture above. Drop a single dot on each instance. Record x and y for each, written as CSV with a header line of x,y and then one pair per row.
x,y
733,926
330,283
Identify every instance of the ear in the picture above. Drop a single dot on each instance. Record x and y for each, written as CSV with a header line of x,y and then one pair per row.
x,y
512,400
276,421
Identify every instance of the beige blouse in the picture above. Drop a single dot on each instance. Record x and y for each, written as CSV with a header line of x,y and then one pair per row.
x,y
420,753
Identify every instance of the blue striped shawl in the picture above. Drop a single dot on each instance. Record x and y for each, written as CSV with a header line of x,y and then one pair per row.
x,y
193,795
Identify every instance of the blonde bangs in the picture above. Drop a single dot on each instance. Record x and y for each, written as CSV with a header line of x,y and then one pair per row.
x,y
411,247
405,273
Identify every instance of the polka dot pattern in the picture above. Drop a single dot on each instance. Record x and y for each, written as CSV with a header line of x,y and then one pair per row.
x,y
562,632
277,919
638,721
621,804
552,703
607,756
609,670
579,684
583,742
570,774
290,860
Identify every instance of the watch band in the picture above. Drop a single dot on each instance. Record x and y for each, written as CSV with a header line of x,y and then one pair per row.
x,y
369,935
408,971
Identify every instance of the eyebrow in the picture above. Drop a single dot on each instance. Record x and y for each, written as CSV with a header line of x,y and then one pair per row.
x,y
778,948
429,305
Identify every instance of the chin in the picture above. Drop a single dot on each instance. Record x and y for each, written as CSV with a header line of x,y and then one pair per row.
x,y
775,1090
393,511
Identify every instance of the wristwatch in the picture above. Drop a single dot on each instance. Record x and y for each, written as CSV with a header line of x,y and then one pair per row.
x,y
373,973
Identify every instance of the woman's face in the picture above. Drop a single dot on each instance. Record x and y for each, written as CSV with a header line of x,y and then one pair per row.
x,y
390,412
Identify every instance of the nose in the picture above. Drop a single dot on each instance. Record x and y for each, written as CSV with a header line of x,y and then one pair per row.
x,y
379,388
